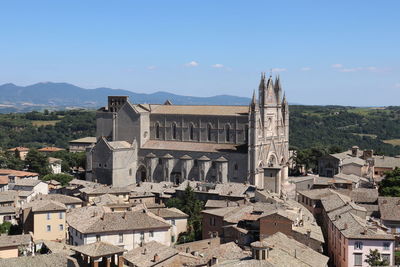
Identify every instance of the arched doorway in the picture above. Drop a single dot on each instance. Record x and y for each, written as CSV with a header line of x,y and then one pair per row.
x,y
141,174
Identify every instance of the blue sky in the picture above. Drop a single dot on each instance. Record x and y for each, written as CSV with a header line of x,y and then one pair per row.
x,y
326,52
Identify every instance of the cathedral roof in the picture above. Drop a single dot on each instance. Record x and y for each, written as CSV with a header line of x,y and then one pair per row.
x,y
199,110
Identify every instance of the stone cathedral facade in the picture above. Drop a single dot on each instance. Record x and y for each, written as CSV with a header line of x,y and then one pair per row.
x,y
216,144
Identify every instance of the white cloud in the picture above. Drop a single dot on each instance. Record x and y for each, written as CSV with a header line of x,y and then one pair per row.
x,y
350,69
369,69
217,66
337,66
278,69
372,69
305,69
192,64
151,67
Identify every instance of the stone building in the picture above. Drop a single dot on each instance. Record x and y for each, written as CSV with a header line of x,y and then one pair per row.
x,y
174,143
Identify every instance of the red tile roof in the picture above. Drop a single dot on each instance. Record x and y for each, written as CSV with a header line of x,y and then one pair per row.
x,y
50,149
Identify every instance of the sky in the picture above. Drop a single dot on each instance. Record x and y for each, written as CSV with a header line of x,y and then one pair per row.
x,y
326,52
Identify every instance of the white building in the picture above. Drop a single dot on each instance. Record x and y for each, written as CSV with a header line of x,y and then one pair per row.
x,y
55,165
127,229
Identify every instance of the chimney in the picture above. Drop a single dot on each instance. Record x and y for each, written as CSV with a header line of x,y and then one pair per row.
x,y
144,251
354,151
345,226
156,258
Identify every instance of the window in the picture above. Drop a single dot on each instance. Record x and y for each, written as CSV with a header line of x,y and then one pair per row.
x,y
142,236
48,216
98,238
209,132
236,166
227,133
48,228
386,245
61,215
191,132
61,227
173,239
386,257
173,222
157,130
173,131
358,259
151,234
358,245
121,238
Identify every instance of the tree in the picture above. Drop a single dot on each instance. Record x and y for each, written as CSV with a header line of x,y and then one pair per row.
x,y
390,186
62,178
374,258
37,162
11,160
192,207
5,227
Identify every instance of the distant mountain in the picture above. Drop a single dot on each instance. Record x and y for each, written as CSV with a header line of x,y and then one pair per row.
x,y
50,95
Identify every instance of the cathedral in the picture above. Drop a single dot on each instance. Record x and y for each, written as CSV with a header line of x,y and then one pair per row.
x,y
174,143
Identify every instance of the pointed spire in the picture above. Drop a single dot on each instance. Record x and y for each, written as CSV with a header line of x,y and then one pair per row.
x,y
254,100
278,89
277,82
253,103
270,82
262,81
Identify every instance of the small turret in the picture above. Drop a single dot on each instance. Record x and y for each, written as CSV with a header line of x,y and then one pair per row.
x,y
261,90
278,89
253,103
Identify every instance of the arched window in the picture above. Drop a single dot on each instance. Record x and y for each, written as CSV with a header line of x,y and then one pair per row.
x,y
157,130
227,133
174,131
191,131
209,132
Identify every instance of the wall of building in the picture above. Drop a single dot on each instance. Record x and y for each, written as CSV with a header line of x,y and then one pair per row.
x,y
8,252
353,169
40,225
367,246
212,224
274,223
328,166
179,227
237,164
237,128
131,239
